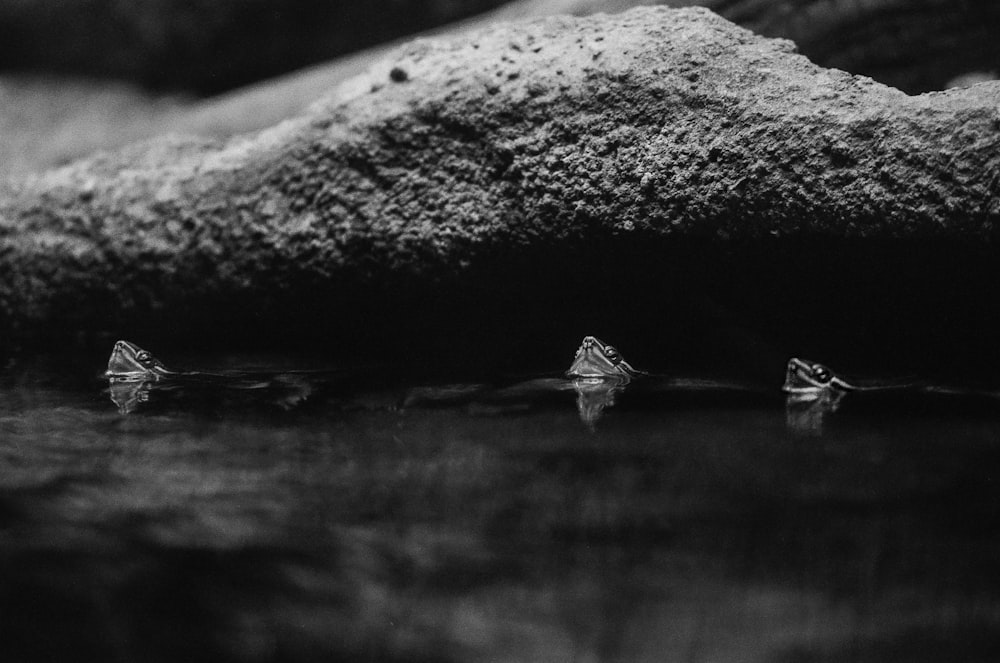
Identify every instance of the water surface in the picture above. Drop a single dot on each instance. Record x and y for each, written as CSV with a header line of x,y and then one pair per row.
x,y
243,525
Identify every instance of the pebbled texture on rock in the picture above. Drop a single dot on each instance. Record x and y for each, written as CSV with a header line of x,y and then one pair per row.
x,y
524,181
914,45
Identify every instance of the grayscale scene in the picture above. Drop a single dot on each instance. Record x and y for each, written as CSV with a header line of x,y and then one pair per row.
x,y
543,331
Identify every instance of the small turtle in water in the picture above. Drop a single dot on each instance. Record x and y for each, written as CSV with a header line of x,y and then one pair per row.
x,y
814,390
809,380
599,374
130,363
598,360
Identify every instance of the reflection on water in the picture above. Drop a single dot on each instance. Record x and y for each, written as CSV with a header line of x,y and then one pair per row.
x,y
478,524
128,395
806,414
593,395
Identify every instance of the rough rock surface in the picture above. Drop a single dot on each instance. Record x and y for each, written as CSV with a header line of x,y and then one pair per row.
x,y
914,46
531,184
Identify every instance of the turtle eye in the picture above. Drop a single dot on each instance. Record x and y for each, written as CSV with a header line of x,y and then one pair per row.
x,y
611,353
820,373
142,356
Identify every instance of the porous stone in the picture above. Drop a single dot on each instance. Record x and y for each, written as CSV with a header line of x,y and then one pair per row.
x,y
913,45
526,181
916,45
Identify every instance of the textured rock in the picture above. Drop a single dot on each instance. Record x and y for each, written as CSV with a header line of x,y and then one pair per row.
x,y
616,171
914,46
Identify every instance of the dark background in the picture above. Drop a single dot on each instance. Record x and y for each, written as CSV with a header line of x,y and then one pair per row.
x,y
209,46
203,46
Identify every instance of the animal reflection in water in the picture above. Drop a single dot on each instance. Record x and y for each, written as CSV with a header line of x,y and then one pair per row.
x,y
597,374
128,395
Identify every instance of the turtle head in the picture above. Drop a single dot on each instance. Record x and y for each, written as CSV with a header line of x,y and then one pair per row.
x,y
807,377
597,359
130,362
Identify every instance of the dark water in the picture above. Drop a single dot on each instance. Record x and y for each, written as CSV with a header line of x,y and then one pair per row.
x,y
282,524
